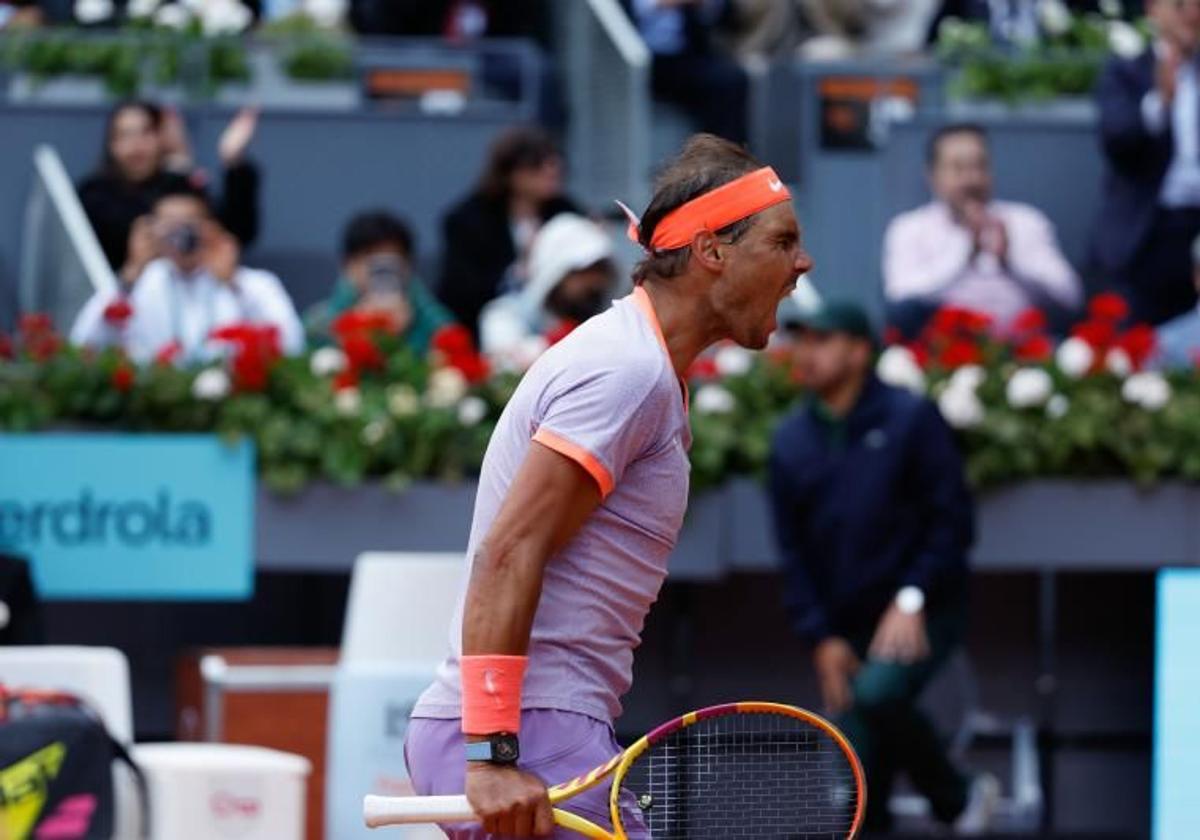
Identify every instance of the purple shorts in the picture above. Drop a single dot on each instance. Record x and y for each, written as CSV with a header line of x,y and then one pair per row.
x,y
555,746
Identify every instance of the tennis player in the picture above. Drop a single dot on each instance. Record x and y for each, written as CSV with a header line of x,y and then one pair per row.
x,y
581,497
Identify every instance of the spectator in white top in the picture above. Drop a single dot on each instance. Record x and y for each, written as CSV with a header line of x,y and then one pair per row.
x,y
571,278
966,249
192,284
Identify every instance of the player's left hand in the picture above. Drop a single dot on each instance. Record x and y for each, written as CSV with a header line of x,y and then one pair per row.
x,y
900,637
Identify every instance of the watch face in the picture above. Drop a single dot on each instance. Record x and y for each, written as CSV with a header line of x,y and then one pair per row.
x,y
505,749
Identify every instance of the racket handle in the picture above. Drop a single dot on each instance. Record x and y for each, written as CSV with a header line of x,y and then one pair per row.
x,y
414,810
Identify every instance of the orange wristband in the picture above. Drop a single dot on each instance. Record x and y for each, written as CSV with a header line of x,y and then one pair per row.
x,y
491,693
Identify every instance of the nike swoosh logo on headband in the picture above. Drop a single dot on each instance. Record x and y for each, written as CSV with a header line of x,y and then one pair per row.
x,y
775,185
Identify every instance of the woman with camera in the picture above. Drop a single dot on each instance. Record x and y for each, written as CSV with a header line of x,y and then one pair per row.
x,y
147,154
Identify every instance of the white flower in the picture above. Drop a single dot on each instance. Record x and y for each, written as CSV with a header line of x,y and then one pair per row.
x,y
173,16
403,401
968,376
1074,357
141,8
1054,17
713,399
1029,387
1148,390
348,401
1124,39
446,387
1118,363
961,407
211,384
374,432
326,13
471,411
1111,8
224,17
327,361
1057,407
897,366
733,360
93,11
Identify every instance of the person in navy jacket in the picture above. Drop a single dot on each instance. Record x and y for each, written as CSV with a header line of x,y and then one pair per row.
x,y
1150,133
874,522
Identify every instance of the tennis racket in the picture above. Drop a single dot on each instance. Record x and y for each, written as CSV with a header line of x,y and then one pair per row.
x,y
741,770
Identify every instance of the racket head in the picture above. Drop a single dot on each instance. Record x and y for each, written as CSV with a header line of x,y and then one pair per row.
x,y
750,769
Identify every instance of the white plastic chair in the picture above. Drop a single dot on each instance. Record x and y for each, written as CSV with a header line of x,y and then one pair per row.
x,y
397,632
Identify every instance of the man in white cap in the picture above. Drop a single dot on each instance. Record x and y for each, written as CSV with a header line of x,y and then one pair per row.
x,y
571,278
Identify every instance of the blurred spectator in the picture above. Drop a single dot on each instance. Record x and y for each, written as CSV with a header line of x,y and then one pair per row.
x,y
1178,340
874,521
842,28
377,276
146,154
688,71
487,234
193,284
966,249
571,278
1150,130
20,14
1016,21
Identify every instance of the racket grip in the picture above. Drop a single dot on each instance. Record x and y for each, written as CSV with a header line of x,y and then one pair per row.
x,y
414,810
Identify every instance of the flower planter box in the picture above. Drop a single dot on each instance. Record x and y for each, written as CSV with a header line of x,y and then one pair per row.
x,y
1047,524
63,90
271,87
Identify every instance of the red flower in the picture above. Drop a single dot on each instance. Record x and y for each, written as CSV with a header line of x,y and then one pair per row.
x,y
357,321
256,349
1108,306
950,320
118,312
122,377
347,378
563,329
1098,333
1139,343
35,323
453,340
168,353
361,352
958,353
42,347
1030,320
6,347
1036,348
474,367
704,369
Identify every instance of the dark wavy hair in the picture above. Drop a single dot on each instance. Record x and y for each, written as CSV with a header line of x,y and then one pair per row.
x,y
516,148
706,162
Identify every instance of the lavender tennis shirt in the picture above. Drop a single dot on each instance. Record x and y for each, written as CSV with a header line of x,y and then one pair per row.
x,y
608,398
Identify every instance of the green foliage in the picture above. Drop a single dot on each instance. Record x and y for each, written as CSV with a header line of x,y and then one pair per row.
x,y
1063,64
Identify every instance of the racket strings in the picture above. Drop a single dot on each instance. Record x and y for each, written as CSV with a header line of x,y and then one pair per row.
x,y
763,776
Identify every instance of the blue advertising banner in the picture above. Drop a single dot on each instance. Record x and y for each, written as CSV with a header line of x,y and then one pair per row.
x,y
1176,708
166,517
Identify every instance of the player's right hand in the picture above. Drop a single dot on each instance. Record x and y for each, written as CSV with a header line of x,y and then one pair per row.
x,y
508,801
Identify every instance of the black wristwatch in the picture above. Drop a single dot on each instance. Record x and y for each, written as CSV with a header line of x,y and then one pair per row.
x,y
502,748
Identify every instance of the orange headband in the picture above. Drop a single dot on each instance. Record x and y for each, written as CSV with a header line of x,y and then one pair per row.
x,y
739,199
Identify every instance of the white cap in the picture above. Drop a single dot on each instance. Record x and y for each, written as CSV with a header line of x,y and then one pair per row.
x,y
566,243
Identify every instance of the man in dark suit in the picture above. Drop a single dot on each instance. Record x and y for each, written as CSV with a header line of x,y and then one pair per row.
x,y
1150,132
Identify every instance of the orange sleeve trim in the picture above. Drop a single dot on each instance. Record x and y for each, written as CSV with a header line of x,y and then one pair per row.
x,y
579,455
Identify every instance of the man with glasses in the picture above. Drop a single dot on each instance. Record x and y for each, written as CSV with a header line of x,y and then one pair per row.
x,y
1150,131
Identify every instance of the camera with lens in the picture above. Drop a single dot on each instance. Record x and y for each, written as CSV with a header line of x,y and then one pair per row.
x,y
385,274
183,239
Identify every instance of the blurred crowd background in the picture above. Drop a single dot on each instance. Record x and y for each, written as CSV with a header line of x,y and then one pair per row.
x,y
365,211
